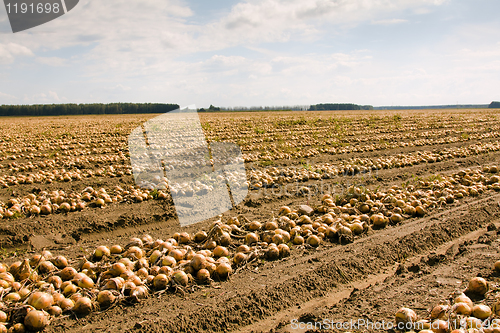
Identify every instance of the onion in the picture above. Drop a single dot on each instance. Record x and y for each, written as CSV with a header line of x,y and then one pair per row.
x,y
254,226
118,268
68,273
58,297
83,306
462,298
12,297
86,282
8,277
298,240
200,236
167,270
203,275
481,311
161,281
184,238
177,254
210,245
115,249
54,310
239,258
223,270
101,251
114,283
378,220
474,323
277,239
24,292
198,262
221,251
105,298
478,285
69,289
405,315
440,312
127,262
284,250
36,320
141,292
462,308
313,240
60,262
3,317
168,261
66,304
356,228
134,252
147,239
40,300
251,238
496,267
439,326
154,256
224,239
272,252
180,277
85,265
46,267
17,328
46,209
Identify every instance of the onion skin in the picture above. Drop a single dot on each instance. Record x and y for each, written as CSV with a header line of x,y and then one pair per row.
x,y
478,286
40,300
439,326
105,298
203,275
462,308
440,312
17,328
180,277
36,320
481,311
3,317
83,306
223,270
161,281
496,267
405,315
464,299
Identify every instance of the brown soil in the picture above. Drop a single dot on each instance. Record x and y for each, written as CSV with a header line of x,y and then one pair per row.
x,y
414,264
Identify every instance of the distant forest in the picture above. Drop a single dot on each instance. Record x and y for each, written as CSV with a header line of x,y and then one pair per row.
x,y
75,109
494,105
337,106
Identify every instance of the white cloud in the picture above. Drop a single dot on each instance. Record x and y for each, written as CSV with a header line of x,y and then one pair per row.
x,y
52,61
389,22
9,52
49,97
7,98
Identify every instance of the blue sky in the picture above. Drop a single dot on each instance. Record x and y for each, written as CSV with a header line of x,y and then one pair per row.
x,y
262,52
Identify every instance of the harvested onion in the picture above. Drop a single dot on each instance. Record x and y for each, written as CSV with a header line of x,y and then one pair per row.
x,y
36,320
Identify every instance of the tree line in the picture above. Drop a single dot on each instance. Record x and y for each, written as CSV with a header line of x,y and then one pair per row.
x,y
339,106
494,105
76,109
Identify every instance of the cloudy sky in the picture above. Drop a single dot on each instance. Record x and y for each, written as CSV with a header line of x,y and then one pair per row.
x,y
257,52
